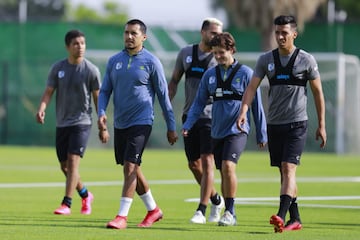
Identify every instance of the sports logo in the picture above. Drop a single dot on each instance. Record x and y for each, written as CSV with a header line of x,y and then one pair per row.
x,y
188,59
212,80
271,67
118,65
61,74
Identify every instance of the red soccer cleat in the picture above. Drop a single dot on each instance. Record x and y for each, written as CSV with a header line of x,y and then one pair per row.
x,y
293,225
119,222
277,222
86,204
151,217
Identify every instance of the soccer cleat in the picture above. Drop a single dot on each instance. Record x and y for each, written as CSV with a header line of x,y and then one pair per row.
x,y
151,217
119,222
198,218
227,219
292,225
86,204
63,210
215,213
278,223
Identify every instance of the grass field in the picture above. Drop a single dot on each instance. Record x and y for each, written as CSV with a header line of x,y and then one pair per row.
x,y
32,186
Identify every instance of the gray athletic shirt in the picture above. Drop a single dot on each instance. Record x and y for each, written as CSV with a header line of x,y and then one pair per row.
x,y
74,85
287,103
183,62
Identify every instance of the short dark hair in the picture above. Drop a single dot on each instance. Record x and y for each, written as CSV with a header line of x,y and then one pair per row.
x,y
142,25
208,21
224,40
283,20
70,35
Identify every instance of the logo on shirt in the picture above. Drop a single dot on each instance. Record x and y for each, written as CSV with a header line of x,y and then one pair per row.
x,y
238,80
212,80
118,65
271,67
188,59
142,68
61,74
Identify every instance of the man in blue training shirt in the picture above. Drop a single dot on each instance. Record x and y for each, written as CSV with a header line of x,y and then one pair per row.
x,y
134,75
226,83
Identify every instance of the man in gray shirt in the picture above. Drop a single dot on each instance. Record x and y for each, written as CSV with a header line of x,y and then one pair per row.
x,y
74,79
193,60
288,69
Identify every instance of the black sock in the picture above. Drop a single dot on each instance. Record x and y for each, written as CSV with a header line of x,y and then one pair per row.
x,y
294,211
216,199
229,205
67,201
202,208
83,192
285,201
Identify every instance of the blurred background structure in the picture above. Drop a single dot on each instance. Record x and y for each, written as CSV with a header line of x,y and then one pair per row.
x,y
33,32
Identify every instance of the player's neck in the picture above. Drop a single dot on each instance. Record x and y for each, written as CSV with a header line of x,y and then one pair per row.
x,y
204,48
74,61
286,51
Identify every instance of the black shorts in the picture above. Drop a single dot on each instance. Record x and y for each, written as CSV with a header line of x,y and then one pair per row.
x,y
229,148
286,142
198,140
129,143
71,140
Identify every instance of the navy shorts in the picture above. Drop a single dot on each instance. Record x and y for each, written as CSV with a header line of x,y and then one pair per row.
x,y
129,143
286,142
198,140
71,140
229,148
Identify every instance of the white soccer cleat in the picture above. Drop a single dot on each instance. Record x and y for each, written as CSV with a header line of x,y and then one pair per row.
x,y
227,219
198,218
215,213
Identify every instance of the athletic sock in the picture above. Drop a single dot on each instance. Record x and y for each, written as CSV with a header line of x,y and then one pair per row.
x,y
201,208
67,201
125,204
216,199
285,201
148,200
294,210
83,193
229,205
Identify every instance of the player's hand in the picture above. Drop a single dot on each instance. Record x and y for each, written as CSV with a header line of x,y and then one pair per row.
x,y
262,145
241,121
40,117
321,133
104,135
172,137
185,132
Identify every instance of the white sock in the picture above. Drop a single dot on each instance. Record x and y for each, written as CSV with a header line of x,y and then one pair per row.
x,y
148,201
125,204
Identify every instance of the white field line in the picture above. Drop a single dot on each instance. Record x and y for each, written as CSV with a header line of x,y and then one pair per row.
x,y
184,181
274,201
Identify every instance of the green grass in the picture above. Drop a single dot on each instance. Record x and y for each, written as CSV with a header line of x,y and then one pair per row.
x,y
26,212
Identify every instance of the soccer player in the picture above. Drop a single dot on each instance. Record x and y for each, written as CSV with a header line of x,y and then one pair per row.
x,y
226,83
194,60
75,80
134,76
288,69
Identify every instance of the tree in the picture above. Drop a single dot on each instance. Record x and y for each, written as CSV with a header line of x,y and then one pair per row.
x,y
35,10
259,14
111,13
